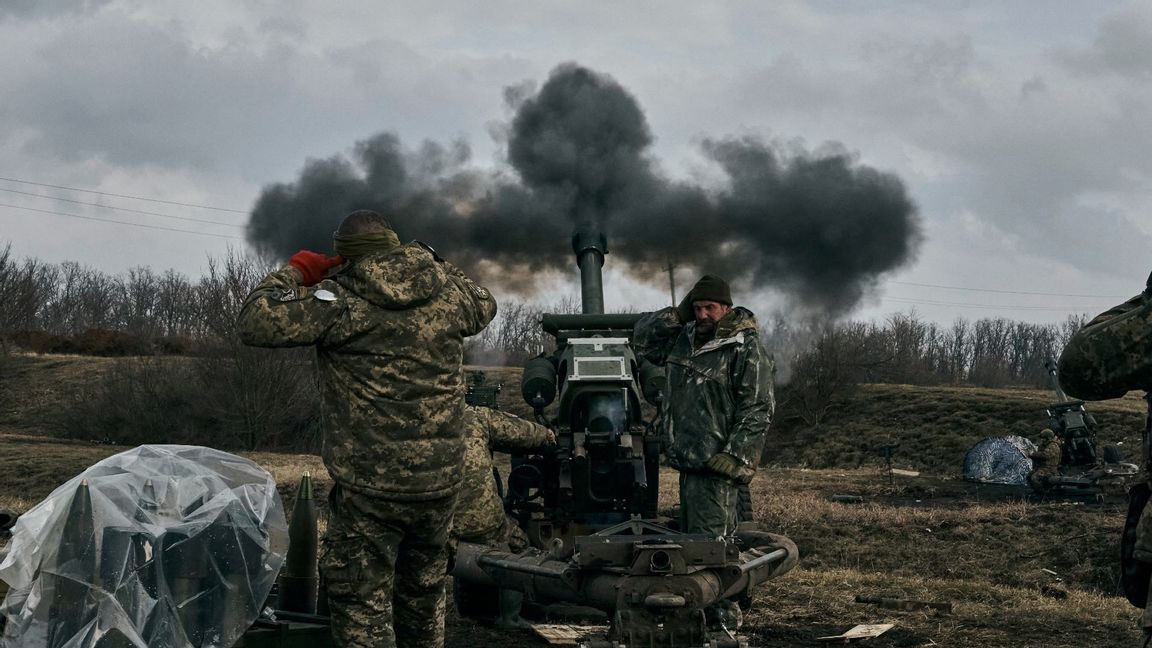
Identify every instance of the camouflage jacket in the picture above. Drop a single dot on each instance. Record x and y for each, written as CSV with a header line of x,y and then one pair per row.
x,y
1047,456
479,508
1112,354
719,396
389,338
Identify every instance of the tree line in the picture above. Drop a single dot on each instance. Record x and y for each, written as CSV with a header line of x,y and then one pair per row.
x,y
245,397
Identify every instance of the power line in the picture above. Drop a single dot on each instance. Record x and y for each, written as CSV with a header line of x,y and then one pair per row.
x,y
115,195
118,222
990,306
123,209
1007,292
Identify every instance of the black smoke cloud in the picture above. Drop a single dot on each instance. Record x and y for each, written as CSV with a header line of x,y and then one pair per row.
x,y
819,226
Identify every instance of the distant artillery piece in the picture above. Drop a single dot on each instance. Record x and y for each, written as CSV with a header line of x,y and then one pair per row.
x,y
480,394
1081,466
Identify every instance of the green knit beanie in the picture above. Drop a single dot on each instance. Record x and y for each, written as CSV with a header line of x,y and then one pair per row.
x,y
712,288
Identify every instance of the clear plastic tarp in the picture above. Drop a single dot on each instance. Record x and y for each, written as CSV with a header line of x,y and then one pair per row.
x,y
162,546
1000,460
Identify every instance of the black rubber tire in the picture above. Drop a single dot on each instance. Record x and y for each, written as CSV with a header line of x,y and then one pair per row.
x,y
475,601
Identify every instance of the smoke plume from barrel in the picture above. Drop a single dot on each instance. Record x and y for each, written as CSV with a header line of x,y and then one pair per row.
x,y
818,226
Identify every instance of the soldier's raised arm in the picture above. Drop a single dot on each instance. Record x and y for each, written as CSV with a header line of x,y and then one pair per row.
x,y
507,432
1112,354
655,332
292,306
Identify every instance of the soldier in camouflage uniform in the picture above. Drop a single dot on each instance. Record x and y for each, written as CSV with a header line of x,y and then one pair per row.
x,y
1045,461
480,517
388,328
718,405
1110,356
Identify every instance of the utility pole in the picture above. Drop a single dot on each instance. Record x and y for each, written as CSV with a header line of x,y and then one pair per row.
x,y
671,280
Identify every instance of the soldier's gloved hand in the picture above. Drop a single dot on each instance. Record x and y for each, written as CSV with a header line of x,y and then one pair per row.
x,y
727,465
313,265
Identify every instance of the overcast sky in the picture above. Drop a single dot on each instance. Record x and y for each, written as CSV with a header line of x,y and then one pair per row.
x,y
1021,130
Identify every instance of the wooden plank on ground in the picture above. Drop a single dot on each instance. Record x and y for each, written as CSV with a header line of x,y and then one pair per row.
x,y
905,473
557,634
861,632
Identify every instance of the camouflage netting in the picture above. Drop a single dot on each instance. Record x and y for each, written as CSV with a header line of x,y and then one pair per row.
x,y
162,545
1000,460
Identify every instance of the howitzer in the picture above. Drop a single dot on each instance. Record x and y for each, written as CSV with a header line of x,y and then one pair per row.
x,y
1072,424
1081,467
480,394
604,468
589,504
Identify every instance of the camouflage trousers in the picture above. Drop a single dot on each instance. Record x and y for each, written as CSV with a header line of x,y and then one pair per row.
x,y
385,563
708,504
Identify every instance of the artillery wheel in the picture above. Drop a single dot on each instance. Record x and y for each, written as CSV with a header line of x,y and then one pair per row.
x,y
476,601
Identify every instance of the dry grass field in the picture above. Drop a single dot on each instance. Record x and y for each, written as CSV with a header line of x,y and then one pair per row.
x,y
1017,572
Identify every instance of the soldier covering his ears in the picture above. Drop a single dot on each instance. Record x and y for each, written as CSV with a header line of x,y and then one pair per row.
x,y
719,402
388,328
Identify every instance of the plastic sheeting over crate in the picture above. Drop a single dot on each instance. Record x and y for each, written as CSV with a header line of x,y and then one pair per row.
x,y
162,546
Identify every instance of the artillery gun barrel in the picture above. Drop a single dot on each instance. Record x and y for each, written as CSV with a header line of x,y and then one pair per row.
x,y
590,247
1061,397
591,282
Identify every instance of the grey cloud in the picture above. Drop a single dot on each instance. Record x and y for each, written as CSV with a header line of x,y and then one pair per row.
x,y
1035,85
1123,46
136,95
34,9
1036,158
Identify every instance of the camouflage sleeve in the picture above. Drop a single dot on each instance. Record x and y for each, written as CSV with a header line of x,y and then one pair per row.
x,y
755,401
479,305
655,333
279,312
1112,354
507,433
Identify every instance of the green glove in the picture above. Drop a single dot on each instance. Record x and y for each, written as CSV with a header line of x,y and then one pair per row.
x,y
727,465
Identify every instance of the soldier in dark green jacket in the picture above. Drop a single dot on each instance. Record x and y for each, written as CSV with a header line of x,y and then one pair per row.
x,y
388,327
719,399
717,407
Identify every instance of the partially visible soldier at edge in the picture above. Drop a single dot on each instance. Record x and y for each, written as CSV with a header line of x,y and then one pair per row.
x,y
718,406
1110,356
480,517
1045,461
388,328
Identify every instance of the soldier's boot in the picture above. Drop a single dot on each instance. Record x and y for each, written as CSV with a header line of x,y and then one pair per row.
x,y
510,604
724,615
